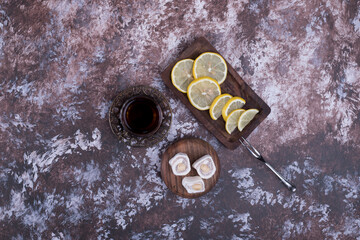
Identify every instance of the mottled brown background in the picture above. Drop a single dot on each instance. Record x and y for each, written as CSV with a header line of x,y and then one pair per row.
x,y
63,174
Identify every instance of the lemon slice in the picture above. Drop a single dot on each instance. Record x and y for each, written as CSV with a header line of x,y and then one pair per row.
x,y
232,120
231,105
212,65
202,92
218,104
246,117
181,74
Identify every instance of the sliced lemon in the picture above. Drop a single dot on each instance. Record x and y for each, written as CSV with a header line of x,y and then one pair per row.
x,y
202,92
212,65
181,74
218,104
231,105
232,120
246,117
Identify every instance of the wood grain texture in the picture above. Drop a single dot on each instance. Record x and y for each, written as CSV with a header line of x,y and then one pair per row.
x,y
194,148
233,85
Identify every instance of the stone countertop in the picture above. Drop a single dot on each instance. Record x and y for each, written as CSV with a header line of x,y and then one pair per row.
x,y
64,175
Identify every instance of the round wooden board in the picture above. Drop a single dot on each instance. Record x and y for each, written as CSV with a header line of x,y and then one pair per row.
x,y
194,148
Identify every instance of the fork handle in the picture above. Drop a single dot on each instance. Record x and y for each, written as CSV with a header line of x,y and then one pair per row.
x,y
290,186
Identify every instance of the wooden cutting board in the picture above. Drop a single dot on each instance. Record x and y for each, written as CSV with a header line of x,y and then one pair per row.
x,y
194,148
233,85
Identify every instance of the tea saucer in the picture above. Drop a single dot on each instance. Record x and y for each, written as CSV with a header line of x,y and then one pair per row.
x,y
132,139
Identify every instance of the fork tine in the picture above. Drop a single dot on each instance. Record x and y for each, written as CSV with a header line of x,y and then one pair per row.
x,y
250,148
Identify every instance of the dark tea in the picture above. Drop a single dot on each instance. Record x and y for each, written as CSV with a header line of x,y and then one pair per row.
x,y
141,115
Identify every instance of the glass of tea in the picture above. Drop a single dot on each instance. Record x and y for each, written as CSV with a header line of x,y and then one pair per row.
x,y
140,115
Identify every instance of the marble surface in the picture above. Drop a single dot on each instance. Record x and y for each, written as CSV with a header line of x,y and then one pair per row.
x,y
63,174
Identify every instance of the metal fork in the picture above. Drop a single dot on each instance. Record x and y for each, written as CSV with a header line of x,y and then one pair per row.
x,y
258,156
